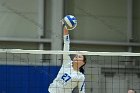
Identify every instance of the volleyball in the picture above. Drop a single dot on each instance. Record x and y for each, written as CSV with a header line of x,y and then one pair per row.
x,y
70,22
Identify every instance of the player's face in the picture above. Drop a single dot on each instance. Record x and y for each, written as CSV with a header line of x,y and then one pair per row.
x,y
79,59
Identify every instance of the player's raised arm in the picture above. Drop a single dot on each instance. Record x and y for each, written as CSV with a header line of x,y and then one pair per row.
x,y
66,47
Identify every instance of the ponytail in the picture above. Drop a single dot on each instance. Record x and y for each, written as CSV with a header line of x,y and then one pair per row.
x,y
81,70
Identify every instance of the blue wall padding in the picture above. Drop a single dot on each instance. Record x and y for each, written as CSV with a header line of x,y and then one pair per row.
x,y
26,79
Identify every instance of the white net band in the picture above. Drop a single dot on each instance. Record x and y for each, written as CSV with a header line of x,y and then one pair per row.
x,y
68,52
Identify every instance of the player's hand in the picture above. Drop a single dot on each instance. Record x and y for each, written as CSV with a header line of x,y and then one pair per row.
x,y
63,24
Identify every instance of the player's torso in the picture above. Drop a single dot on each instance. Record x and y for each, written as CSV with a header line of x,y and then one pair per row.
x,y
67,78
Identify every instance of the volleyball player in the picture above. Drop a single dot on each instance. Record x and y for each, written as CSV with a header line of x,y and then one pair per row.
x,y
71,73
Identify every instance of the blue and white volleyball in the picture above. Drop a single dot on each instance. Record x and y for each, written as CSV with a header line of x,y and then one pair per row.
x,y
70,22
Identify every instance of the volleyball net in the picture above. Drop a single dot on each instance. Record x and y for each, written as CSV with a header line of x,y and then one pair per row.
x,y
33,70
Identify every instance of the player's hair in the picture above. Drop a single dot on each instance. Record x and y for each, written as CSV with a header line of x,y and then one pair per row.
x,y
81,69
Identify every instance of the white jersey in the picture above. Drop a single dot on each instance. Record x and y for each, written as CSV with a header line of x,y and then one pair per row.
x,y
67,78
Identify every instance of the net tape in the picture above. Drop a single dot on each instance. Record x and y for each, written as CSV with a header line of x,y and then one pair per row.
x,y
68,52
